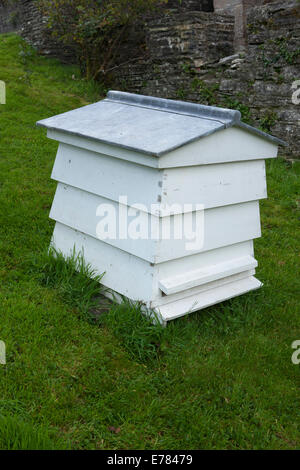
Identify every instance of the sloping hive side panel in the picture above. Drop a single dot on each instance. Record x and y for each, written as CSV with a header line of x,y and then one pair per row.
x,y
215,185
221,226
108,177
208,258
210,185
124,273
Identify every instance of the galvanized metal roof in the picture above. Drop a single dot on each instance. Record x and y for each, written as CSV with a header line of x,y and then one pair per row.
x,y
145,124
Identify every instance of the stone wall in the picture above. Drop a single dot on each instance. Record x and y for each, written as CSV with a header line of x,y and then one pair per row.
x,y
32,26
187,58
23,16
187,52
239,9
262,79
191,5
176,44
228,6
225,6
34,30
10,16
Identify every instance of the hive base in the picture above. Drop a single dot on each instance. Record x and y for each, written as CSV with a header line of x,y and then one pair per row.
x,y
197,301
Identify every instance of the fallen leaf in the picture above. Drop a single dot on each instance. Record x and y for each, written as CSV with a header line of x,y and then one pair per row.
x,y
113,429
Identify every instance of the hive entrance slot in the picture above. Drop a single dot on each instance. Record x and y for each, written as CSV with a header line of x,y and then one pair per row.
x,y
198,277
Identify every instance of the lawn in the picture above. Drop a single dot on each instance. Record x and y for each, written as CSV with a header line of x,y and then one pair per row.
x,y
221,378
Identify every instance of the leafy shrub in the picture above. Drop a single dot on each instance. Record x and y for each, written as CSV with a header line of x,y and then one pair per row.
x,y
94,28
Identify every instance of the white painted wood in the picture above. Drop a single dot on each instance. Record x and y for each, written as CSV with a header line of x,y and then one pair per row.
x,y
206,299
188,262
103,149
149,307
190,279
210,185
223,173
124,273
222,225
196,261
204,259
228,145
108,177
166,299
216,184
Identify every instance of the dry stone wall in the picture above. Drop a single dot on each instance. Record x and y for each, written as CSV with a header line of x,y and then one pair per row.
x,y
186,51
228,6
24,17
10,16
191,57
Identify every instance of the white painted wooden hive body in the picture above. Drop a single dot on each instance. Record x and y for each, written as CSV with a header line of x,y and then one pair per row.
x,y
161,152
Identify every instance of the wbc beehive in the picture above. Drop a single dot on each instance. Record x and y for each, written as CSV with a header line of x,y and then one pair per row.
x,y
134,171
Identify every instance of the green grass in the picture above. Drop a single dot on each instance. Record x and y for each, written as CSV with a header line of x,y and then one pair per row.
x,y
221,378
76,281
15,434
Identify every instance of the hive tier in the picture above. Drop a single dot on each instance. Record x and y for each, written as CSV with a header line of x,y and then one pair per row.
x,y
215,169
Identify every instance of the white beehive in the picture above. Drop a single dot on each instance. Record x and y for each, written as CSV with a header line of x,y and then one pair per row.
x,y
159,153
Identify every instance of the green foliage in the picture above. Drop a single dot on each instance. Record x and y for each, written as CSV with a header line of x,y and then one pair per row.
x,y
139,335
187,68
94,29
252,28
15,18
181,93
280,51
208,94
245,111
285,52
15,434
268,120
74,279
